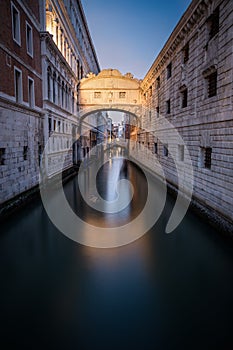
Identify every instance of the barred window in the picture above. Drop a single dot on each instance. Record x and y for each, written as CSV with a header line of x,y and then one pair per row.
x,y
207,160
212,84
206,157
184,98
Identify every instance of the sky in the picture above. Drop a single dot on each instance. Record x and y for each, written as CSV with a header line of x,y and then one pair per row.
x,y
129,34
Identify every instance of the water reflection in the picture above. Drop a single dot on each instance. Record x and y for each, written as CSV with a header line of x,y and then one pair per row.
x,y
163,291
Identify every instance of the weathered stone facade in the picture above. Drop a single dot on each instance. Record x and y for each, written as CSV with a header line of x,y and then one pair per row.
x,y
190,83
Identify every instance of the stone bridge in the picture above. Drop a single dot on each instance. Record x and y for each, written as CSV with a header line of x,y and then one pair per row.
x,y
109,90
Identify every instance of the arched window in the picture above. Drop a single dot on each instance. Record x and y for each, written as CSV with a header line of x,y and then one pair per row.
x,y
49,74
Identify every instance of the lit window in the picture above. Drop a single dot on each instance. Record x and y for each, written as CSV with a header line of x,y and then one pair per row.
x,y
29,39
18,85
31,95
15,24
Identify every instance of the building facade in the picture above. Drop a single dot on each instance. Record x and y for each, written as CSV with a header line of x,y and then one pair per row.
x,y
191,84
21,124
67,56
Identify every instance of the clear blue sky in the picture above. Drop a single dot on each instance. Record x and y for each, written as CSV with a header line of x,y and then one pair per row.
x,y
128,34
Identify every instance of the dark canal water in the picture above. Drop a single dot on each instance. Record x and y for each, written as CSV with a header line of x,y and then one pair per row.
x,y
161,292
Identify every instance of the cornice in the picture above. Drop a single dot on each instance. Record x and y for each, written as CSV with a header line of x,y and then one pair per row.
x,y
191,16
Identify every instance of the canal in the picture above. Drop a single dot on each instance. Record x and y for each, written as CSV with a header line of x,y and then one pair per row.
x,y
163,291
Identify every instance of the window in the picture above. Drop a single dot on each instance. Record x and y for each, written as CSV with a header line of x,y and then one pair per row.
x,y
169,70
97,94
205,154
54,87
213,23
181,153
25,152
2,156
49,73
122,94
15,24
184,98
157,111
168,106
31,95
212,84
155,148
50,126
165,150
158,83
29,39
39,154
185,53
18,85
